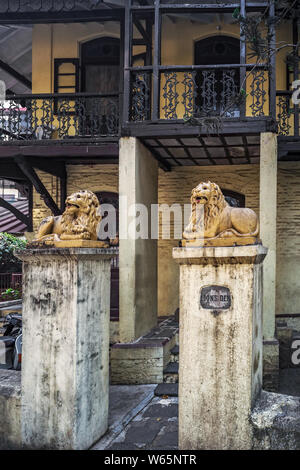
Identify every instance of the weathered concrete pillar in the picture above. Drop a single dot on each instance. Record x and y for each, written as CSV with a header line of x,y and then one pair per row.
x,y
220,369
138,182
65,362
268,221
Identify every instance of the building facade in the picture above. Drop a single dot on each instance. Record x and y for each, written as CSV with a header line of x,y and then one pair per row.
x,y
144,99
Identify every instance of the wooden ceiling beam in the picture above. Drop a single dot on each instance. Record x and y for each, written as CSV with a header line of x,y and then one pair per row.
x,y
31,175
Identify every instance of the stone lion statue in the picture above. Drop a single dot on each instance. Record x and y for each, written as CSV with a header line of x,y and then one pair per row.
x,y
78,222
217,220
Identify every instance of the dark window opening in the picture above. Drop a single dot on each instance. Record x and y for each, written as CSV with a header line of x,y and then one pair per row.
x,y
105,197
100,65
217,87
233,198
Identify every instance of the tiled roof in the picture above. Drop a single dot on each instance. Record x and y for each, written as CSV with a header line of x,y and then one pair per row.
x,y
8,221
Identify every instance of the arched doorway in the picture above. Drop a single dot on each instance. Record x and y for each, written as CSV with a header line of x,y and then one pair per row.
x,y
217,86
100,74
100,65
106,197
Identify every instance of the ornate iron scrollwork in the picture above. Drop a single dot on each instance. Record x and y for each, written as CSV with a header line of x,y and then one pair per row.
x,y
22,6
40,117
208,92
283,116
190,94
140,96
170,95
229,92
258,92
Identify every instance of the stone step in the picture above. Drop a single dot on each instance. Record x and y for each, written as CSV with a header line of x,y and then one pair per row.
x,y
171,373
143,361
166,389
174,357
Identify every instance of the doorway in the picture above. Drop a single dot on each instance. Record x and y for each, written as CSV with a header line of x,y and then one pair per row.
x,y
216,86
105,197
100,74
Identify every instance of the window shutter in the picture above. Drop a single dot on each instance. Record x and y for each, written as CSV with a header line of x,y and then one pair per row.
x,y
66,75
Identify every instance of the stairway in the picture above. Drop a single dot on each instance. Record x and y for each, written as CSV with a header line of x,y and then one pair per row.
x,y
169,387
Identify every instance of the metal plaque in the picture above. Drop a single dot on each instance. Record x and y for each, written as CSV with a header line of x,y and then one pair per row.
x,y
215,298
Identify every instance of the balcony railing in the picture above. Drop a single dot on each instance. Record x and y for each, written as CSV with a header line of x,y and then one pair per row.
x,y
59,116
287,114
185,92
195,91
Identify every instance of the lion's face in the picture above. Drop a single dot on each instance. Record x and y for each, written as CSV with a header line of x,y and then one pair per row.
x,y
81,202
206,193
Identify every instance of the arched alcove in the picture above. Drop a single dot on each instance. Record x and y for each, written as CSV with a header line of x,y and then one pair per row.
x,y
217,86
100,65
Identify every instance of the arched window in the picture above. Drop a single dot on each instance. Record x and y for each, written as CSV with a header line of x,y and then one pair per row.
x,y
233,198
100,65
217,86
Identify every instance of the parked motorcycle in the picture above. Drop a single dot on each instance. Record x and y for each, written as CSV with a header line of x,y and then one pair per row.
x,y
11,342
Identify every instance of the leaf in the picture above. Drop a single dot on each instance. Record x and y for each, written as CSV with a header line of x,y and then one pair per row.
x,y
236,13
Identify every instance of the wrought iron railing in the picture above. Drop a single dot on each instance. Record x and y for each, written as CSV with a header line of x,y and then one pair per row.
x,y
59,116
287,114
230,91
22,6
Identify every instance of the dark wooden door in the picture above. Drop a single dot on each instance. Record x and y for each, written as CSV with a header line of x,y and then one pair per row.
x,y
100,74
113,198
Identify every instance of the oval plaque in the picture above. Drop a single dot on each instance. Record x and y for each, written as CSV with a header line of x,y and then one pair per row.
x,y
215,298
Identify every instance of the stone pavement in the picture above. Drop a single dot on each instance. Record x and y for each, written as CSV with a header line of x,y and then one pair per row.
x,y
152,424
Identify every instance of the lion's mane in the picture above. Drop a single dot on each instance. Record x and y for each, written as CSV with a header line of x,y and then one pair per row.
x,y
86,220
214,206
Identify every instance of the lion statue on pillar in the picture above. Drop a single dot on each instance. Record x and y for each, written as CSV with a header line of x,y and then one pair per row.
x,y
214,222
77,226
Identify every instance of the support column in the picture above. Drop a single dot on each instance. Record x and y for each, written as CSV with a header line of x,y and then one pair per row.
x,y
268,221
65,361
138,183
220,368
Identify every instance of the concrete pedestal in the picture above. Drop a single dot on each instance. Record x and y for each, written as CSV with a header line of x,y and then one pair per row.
x,y
220,369
65,362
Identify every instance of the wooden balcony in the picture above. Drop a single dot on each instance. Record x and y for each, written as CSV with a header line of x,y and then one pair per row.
x,y
68,117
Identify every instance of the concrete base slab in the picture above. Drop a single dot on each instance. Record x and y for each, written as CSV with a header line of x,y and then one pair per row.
x,y
10,409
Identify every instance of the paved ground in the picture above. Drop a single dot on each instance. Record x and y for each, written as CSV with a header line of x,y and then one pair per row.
x,y
152,422
153,425
140,420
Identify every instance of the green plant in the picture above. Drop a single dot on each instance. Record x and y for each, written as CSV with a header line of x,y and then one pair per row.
x,y
10,294
8,244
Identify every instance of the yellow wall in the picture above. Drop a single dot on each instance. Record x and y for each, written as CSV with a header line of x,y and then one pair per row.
x,y
93,177
63,41
40,210
175,187
55,41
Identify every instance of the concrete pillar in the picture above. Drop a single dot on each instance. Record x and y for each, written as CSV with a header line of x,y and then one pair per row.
x,y
138,182
268,222
65,362
220,368
268,219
